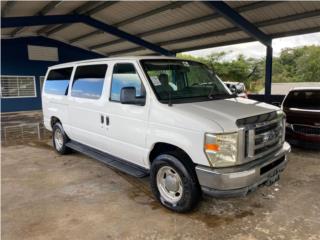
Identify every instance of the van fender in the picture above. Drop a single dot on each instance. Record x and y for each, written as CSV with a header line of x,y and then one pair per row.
x,y
191,142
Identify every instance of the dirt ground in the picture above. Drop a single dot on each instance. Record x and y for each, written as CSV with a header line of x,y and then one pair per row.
x,y
47,196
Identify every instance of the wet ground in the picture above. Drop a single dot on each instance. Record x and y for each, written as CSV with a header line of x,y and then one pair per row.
x,y
47,196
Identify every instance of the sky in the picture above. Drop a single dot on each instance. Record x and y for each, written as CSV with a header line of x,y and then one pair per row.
x,y
257,50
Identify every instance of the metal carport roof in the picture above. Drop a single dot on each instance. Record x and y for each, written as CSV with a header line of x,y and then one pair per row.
x,y
173,25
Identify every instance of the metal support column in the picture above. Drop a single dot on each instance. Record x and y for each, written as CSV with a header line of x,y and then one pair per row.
x,y
268,74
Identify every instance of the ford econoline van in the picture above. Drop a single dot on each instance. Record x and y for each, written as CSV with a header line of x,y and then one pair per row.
x,y
172,119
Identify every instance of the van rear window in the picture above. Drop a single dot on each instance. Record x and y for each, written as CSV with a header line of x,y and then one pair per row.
x,y
58,81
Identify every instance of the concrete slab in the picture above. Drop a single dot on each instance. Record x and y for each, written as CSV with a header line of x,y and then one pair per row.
x,y
48,196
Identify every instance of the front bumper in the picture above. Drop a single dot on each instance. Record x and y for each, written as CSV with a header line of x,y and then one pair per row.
x,y
240,180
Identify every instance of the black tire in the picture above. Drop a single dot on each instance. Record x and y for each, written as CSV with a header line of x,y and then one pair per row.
x,y
191,190
63,149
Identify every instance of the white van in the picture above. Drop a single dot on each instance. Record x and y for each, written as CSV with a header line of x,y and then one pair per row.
x,y
173,119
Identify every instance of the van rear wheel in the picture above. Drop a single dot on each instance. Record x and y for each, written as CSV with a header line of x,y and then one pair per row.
x,y
172,184
59,139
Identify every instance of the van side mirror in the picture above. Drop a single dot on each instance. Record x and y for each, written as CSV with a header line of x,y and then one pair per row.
x,y
128,96
233,90
239,89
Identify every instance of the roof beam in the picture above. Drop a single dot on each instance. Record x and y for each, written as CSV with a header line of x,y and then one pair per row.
x,y
121,34
100,7
59,19
190,22
264,23
28,21
47,8
235,18
7,7
134,19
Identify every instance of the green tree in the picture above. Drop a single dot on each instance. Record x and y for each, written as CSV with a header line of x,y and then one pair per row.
x,y
301,64
308,65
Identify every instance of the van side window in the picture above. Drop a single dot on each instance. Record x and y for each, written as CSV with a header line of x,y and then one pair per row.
x,y
58,81
125,75
88,81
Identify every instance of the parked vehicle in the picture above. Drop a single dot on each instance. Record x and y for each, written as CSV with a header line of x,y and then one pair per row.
x,y
237,88
173,119
302,107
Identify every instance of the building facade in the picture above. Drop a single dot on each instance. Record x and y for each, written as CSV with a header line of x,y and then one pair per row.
x,y
24,62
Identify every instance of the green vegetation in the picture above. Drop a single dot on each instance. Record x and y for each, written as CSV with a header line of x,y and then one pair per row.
x,y
300,64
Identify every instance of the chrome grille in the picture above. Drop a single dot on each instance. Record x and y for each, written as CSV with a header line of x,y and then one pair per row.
x,y
306,129
262,138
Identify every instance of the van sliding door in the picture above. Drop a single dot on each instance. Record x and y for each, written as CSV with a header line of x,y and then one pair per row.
x,y
87,102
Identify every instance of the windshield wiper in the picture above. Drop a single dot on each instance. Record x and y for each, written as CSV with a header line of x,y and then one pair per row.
x,y
211,92
221,96
169,99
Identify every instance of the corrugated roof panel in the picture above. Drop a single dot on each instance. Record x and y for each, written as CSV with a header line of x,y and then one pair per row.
x,y
280,10
127,9
315,21
299,7
3,3
66,7
74,30
6,31
205,41
294,25
196,29
191,10
118,47
188,11
30,30
23,8
99,38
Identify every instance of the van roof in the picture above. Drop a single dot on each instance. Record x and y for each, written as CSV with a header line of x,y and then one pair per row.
x,y
111,59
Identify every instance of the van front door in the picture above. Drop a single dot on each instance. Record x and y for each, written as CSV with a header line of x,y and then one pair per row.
x,y
128,123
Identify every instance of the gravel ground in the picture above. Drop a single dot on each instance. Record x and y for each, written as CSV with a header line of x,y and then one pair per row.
x,y
47,196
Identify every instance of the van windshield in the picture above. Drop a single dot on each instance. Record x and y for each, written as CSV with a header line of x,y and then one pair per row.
x,y
182,81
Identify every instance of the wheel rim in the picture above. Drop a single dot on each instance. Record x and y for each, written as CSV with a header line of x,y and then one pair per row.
x,y
169,184
58,139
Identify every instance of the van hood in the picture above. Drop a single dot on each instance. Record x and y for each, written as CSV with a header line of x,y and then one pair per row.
x,y
225,112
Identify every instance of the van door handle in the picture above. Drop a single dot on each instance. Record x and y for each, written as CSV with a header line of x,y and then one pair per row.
x,y
107,121
102,119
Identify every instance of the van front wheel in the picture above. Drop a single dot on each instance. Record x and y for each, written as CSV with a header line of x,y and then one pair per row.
x,y
59,139
172,184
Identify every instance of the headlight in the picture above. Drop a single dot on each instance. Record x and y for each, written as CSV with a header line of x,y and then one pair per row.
x,y
283,124
221,149
280,113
